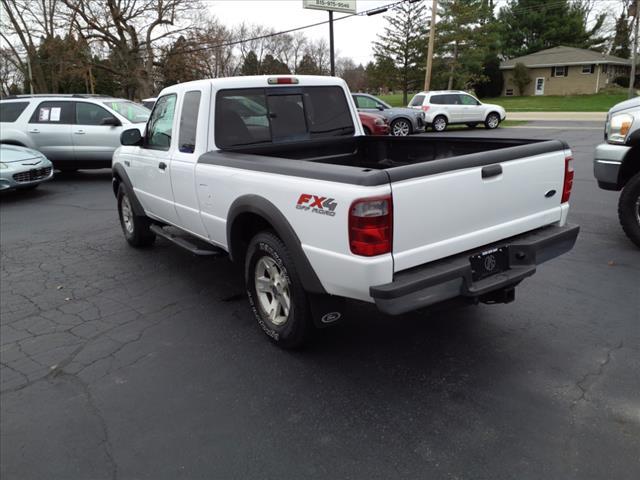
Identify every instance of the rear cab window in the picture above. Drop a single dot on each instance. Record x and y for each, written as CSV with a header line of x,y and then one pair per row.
x,y
417,101
275,115
10,111
54,113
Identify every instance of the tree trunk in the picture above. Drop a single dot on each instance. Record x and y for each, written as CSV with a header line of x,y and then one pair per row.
x,y
453,65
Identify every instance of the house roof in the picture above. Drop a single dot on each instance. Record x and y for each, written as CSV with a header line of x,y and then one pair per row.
x,y
563,56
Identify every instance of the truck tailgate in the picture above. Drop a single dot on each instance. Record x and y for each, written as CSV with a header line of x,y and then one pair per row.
x,y
453,211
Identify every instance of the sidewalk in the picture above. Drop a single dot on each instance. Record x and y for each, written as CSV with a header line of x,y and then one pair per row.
x,y
558,116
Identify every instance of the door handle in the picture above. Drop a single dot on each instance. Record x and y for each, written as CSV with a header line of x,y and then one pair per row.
x,y
491,171
79,132
162,166
34,130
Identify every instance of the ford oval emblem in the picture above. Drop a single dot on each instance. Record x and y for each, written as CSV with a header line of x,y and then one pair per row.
x,y
331,317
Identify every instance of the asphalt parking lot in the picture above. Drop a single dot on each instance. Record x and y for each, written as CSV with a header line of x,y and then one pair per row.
x,y
123,363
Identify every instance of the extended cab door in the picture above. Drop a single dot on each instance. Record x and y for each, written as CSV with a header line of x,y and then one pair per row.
x,y
191,144
50,129
150,163
92,139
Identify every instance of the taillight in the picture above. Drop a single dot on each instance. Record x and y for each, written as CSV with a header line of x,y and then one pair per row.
x,y
425,108
282,81
568,178
371,226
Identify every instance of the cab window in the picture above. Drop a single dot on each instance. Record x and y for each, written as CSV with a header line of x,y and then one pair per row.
x,y
468,100
159,128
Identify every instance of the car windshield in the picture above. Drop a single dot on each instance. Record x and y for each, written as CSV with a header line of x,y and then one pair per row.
x,y
131,111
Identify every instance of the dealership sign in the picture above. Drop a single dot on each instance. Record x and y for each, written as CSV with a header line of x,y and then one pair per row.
x,y
346,6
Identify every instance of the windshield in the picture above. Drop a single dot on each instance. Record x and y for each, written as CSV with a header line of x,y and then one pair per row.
x,y
131,111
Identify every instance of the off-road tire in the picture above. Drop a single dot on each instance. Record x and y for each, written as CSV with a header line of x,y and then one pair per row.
x,y
628,209
136,228
298,327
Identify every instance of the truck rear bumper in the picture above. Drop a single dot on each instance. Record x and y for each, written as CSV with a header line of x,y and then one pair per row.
x,y
452,277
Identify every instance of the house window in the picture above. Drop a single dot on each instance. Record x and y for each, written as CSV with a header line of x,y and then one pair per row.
x,y
509,92
560,71
588,69
604,68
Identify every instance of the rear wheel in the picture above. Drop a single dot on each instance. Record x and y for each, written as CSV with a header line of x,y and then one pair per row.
x,y
439,123
492,121
629,209
275,293
400,128
136,228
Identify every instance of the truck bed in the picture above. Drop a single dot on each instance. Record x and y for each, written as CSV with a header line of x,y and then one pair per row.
x,y
400,157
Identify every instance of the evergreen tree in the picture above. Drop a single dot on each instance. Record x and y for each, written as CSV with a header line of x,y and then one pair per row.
x,y
251,65
528,26
404,43
271,65
467,39
308,66
622,39
381,75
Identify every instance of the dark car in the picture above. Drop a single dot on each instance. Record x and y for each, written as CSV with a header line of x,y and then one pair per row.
x,y
402,121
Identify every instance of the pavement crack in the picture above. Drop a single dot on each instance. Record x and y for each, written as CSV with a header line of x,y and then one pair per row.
x,y
581,384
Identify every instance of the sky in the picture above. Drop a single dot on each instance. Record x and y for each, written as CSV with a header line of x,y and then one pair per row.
x,y
353,36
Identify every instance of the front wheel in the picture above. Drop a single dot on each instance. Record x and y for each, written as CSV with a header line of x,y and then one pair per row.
x,y
629,209
439,124
275,293
492,121
136,228
400,128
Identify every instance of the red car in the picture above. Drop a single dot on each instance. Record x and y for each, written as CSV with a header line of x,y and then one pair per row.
x,y
374,124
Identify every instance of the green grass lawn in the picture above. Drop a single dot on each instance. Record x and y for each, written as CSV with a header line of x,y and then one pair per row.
x,y
571,103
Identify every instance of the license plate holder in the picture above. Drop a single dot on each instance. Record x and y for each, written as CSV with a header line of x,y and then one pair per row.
x,y
489,263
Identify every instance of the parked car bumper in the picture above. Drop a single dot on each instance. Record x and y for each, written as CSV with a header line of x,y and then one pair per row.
x,y
452,277
606,164
16,178
381,129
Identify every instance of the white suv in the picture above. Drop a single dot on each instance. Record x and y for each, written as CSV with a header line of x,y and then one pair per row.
x,y
73,131
445,107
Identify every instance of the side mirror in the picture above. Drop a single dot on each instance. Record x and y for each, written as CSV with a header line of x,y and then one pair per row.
x,y
112,121
131,137
381,108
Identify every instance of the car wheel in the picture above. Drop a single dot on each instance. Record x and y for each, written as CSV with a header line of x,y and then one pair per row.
x,y
136,228
439,123
366,131
275,293
472,125
400,128
492,121
629,209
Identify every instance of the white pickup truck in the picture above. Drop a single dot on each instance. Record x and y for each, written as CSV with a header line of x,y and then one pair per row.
x,y
275,171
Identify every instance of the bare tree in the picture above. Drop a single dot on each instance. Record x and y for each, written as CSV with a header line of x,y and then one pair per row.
x,y
133,30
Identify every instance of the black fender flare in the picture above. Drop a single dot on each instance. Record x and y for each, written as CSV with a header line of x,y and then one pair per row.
x,y
262,207
120,176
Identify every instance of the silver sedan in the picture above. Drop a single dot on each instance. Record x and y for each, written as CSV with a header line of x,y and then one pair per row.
x,y
23,168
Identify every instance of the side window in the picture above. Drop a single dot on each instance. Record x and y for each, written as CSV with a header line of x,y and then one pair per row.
x,y
160,125
468,100
365,102
91,114
438,100
452,99
53,113
189,122
417,101
10,111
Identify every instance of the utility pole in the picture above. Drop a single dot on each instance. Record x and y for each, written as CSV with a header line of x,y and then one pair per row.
x,y
634,53
432,37
331,55
30,74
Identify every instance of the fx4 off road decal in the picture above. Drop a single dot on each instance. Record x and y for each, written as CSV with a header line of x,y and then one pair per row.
x,y
317,204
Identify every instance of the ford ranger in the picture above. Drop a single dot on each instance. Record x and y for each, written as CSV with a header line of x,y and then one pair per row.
x,y
275,172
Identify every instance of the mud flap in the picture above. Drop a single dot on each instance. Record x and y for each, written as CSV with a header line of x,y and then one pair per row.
x,y
326,310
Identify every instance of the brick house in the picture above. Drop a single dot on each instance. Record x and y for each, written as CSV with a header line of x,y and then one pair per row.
x,y
565,71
